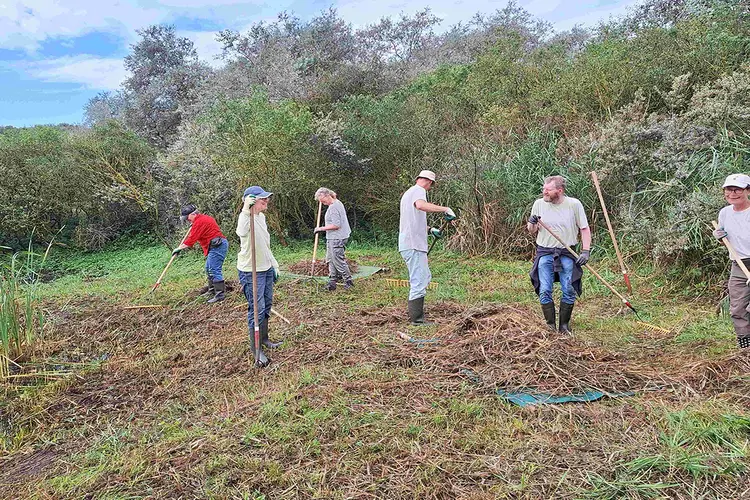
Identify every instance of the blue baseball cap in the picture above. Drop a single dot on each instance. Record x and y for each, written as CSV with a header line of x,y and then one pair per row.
x,y
256,191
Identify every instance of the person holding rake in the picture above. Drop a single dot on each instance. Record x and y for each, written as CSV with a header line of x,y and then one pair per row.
x,y
734,231
258,269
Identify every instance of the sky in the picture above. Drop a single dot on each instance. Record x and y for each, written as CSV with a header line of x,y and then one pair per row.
x,y
57,54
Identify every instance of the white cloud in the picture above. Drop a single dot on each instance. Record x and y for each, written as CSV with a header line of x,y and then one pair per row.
x,y
92,72
206,45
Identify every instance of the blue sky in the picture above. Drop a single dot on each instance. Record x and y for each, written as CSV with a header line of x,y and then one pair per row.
x,y
57,54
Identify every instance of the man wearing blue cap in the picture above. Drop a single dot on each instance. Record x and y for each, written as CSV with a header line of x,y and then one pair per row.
x,y
255,202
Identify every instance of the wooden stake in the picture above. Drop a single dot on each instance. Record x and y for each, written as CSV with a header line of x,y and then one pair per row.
x,y
315,246
611,232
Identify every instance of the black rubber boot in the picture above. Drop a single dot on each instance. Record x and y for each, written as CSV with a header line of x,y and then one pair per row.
x,y
416,312
261,360
331,285
566,311
743,342
264,336
549,315
209,288
348,284
219,288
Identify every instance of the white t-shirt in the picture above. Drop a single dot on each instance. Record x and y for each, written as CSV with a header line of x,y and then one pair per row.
x,y
566,219
737,226
412,227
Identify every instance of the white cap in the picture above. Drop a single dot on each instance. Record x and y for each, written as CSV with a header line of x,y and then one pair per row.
x,y
427,174
737,180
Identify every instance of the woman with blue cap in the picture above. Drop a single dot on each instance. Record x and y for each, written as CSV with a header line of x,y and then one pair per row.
x,y
252,225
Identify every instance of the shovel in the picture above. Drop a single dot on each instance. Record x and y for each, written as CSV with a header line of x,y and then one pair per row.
x,y
732,253
260,358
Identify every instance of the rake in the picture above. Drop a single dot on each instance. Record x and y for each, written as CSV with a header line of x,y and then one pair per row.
x,y
164,272
393,283
603,281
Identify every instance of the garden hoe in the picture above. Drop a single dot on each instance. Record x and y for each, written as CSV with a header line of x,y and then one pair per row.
x,y
611,232
604,282
260,358
732,253
164,272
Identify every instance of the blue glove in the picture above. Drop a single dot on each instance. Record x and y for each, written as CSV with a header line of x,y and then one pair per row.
x,y
583,258
534,219
275,274
437,233
720,233
450,215
176,251
248,202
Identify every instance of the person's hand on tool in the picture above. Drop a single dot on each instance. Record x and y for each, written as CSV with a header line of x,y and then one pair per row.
x,y
720,233
176,251
275,274
534,220
583,258
248,202
449,214
318,229
437,233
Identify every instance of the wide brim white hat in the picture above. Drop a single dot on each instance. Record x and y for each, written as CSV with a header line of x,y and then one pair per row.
x,y
427,174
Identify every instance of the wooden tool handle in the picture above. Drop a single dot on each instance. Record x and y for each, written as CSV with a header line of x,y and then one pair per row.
x,y
733,253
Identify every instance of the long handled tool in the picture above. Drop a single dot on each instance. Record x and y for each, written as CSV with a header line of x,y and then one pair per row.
x,y
611,232
442,226
732,253
164,272
604,282
317,235
260,358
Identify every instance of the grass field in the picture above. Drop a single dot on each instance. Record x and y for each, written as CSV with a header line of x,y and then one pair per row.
x,y
164,402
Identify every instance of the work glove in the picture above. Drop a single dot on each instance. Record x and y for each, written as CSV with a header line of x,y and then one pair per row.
x,y
449,215
583,258
275,274
437,233
534,219
720,233
176,251
249,201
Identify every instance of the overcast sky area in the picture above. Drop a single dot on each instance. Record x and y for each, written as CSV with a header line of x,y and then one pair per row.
x,y
57,54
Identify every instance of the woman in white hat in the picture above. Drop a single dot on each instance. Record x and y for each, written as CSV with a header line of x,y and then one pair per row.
x,y
734,225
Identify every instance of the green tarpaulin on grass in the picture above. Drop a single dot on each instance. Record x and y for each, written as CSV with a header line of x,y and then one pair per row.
x,y
362,272
539,398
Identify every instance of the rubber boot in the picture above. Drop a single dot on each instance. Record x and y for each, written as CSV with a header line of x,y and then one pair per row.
x,y
264,336
743,342
566,311
549,315
416,312
219,288
331,285
261,360
348,284
209,288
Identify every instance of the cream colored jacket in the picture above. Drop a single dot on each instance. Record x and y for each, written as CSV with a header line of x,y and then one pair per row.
x,y
264,259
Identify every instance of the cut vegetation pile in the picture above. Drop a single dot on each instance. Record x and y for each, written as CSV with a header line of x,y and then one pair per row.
x,y
321,267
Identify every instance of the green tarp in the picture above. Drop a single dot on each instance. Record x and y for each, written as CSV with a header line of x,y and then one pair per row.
x,y
539,398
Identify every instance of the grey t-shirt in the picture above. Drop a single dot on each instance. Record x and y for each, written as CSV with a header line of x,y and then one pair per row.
x,y
412,228
336,215
737,226
566,219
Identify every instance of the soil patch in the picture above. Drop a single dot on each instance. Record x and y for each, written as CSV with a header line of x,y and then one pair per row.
x,y
320,269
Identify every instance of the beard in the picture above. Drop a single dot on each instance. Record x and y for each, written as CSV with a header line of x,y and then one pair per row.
x,y
552,198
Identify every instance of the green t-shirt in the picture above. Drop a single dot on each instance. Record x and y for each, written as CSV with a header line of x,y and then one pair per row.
x,y
566,219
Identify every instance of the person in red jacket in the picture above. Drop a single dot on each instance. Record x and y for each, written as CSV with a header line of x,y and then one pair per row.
x,y
206,232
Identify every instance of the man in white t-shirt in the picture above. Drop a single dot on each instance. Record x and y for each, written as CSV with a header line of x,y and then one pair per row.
x,y
412,240
734,225
566,217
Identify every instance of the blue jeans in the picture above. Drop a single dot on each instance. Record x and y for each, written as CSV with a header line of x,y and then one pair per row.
x,y
419,272
547,279
264,295
215,260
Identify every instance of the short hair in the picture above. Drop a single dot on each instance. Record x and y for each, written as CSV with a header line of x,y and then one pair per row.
x,y
558,180
321,192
